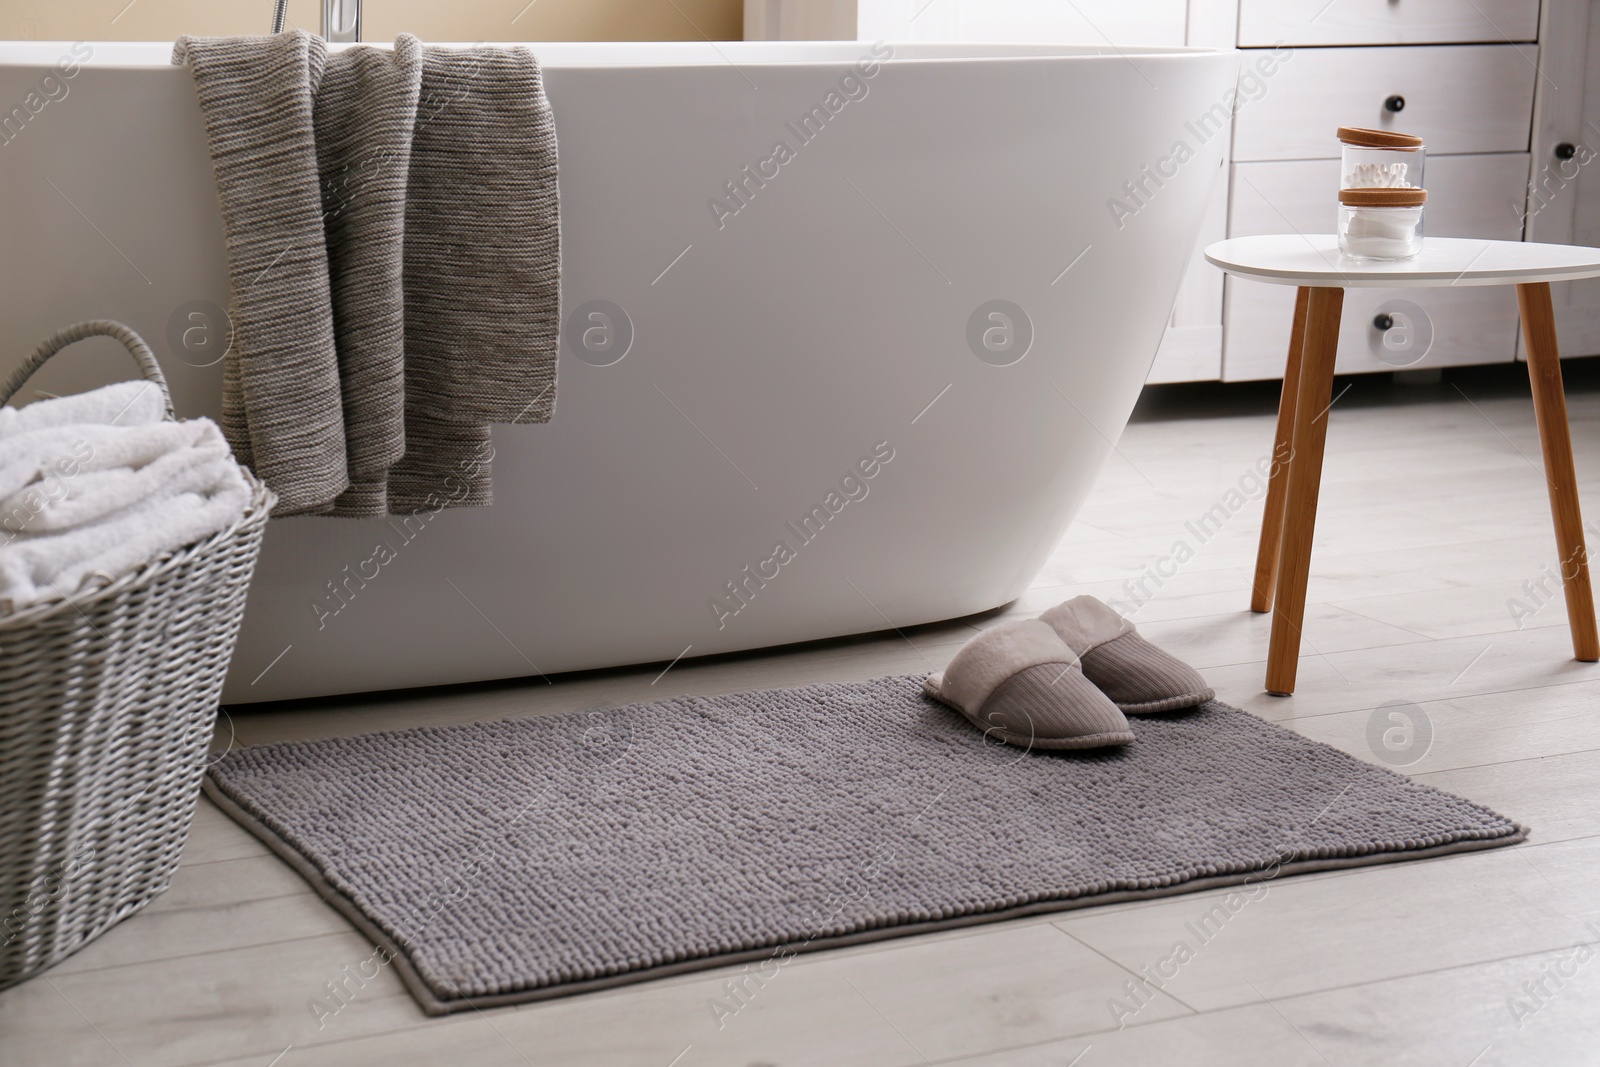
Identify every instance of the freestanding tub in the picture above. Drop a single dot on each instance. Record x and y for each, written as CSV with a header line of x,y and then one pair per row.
x,y
786,320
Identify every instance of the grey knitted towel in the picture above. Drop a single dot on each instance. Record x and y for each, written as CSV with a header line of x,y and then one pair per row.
x,y
365,112
281,404
421,302
482,268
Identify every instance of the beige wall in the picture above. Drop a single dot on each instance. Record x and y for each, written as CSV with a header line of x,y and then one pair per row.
x,y
431,20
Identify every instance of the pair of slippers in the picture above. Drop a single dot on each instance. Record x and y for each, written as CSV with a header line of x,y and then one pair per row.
x,y
1067,679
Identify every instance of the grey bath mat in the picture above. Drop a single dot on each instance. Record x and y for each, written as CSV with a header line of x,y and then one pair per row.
x,y
511,861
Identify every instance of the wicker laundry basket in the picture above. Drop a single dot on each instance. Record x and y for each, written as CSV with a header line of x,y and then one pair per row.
x,y
107,703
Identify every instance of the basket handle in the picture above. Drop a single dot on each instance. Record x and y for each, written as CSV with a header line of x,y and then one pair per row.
x,y
90,328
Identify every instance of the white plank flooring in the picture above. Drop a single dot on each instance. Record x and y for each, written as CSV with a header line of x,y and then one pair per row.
x,y
1434,515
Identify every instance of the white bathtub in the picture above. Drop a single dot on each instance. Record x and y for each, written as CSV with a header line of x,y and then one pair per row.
x,y
774,349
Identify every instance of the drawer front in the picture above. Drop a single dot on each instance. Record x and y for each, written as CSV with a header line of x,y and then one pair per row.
x,y
1469,196
1458,98
1477,325
1318,22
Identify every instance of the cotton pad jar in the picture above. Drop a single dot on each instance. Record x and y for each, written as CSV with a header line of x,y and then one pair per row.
x,y
1381,223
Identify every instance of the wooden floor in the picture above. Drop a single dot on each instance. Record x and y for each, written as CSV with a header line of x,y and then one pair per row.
x,y
1434,526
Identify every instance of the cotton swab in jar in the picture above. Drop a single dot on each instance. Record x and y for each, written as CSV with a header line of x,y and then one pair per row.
x,y
1378,176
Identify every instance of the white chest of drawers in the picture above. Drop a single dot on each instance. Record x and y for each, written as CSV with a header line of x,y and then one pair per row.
x,y
1477,79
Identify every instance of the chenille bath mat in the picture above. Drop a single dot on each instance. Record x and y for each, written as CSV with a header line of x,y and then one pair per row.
x,y
512,861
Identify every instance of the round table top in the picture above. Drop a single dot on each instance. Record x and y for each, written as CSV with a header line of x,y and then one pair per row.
x,y
1314,259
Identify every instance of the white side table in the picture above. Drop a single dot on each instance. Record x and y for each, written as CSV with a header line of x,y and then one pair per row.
x,y
1313,262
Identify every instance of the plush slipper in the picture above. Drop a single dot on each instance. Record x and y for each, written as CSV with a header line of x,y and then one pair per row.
x,y
1020,683
1137,676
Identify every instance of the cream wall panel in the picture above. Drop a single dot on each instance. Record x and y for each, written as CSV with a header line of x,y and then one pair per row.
x,y
459,20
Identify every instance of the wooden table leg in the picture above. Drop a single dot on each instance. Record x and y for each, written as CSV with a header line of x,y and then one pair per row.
x,y
1266,579
1550,408
1313,397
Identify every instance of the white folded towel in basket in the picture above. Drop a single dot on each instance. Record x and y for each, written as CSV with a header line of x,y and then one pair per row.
x,y
122,404
86,502
66,476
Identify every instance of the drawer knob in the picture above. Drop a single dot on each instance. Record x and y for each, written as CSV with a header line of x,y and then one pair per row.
x,y
1383,320
1566,150
1395,103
